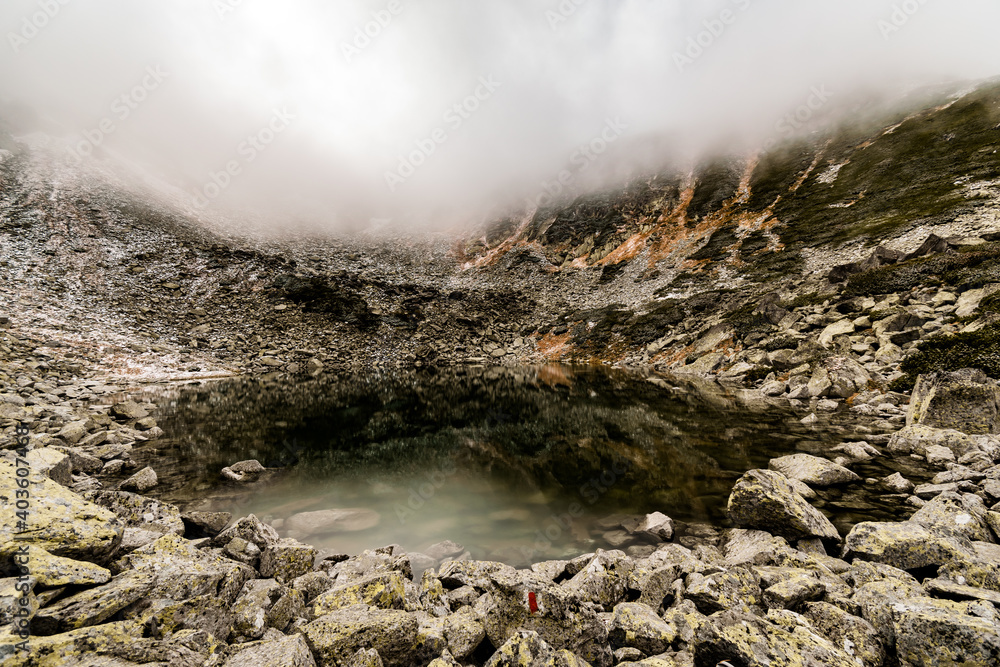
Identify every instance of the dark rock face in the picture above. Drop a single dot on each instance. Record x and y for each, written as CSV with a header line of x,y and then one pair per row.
x,y
964,400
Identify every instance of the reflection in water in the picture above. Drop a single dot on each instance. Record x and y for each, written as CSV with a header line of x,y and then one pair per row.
x,y
514,463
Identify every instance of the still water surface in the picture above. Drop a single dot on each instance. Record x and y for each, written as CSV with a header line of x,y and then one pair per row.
x,y
515,464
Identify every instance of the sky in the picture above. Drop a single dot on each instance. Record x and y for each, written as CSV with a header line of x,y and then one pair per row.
x,y
421,112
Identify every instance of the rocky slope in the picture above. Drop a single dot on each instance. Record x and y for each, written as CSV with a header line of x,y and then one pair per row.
x,y
834,274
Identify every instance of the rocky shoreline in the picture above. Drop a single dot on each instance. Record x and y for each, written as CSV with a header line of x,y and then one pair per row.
x,y
112,576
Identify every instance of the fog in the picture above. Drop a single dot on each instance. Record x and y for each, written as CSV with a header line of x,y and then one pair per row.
x,y
440,111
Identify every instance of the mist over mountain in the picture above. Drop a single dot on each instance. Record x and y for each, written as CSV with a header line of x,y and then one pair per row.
x,y
443,111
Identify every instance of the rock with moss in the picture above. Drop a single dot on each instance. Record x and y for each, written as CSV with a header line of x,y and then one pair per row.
x,y
744,639
53,571
638,626
856,636
96,605
385,590
145,519
285,652
335,637
812,470
287,559
737,588
956,514
763,500
563,615
604,579
906,545
118,643
965,400
61,522
164,617
56,465
182,571
916,438
262,604
464,632
931,632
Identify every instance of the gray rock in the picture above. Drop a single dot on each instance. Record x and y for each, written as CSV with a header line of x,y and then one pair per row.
x,y
205,524
856,636
735,589
62,523
337,636
938,632
655,527
906,545
745,639
262,604
145,519
812,470
95,605
53,463
793,591
287,652
763,500
966,401
897,483
320,522
963,515
916,438
287,560
251,529
128,410
140,482
637,625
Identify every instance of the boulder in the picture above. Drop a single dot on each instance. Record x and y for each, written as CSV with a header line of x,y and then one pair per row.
x,y
285,652
251,529
205,524
53,571
140,482
812,470
384,590
61,522
655,527
906,545
116,644
337,636
128,410
287,560
565,617
855,635
263,604
638,626
464,632
323,522
182,571
93,606
916,438
604,579
763,500
145,519
965,400
843,327
933,632
791,592
952,513
53,463
744,639
737,589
